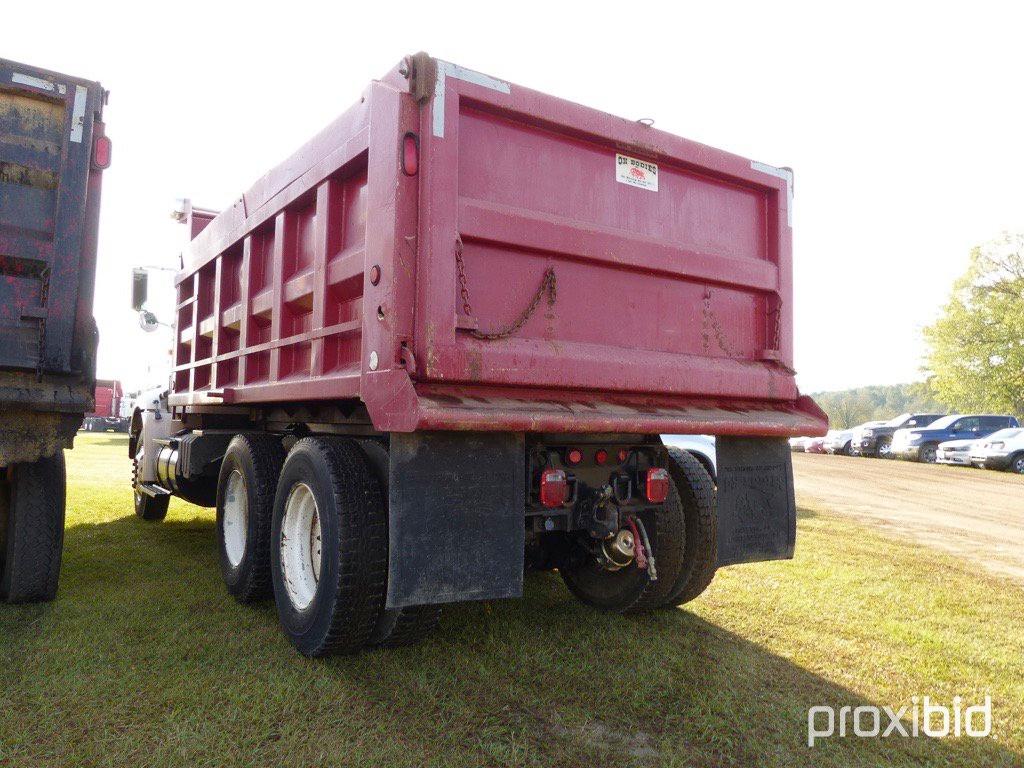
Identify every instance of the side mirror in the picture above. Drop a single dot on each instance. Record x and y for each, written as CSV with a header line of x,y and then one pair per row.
x,y
148,321
140,288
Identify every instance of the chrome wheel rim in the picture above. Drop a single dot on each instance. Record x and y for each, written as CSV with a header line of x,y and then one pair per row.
x,y
300,546
235,526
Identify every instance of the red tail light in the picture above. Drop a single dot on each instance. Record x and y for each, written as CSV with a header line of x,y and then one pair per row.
x,y
102,150
553,486
657,485
575,456
410,154
601,456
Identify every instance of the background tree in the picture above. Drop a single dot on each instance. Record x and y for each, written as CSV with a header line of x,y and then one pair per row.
x,y
976,348
850,407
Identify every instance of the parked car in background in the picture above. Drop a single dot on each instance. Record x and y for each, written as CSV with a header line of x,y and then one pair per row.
x,y
838,441
814,445
922,444
858,435
877,441
798,444
1000,450
701,447
955,452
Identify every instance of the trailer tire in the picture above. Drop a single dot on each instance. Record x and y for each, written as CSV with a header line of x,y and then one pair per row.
x,y
245,508
149,508
31,543
329,547
696,492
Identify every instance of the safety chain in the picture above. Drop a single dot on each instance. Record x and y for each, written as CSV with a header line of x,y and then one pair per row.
x,y
777,330
548,285
711,320
44,293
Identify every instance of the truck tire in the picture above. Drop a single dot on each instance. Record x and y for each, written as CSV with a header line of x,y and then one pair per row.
x,y
1017,464
399,626
32,509
696,492
631,589
329,547
245,508
405,626
883,449
928,453
149,508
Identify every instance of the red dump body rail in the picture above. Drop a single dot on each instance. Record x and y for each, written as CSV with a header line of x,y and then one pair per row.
x,y
337,275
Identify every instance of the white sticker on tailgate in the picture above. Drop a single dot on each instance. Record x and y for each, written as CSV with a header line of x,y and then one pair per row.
x,y
636,173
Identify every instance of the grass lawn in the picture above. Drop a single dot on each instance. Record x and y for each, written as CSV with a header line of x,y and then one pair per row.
x,y
145,660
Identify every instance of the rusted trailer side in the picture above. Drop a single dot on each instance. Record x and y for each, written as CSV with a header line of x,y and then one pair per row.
x,y
53,151
445,336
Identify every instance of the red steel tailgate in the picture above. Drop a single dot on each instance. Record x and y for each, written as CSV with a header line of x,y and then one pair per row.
x,y
671,263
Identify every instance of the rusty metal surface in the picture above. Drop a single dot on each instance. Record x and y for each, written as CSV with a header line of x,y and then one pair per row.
x,y
27,435
49,213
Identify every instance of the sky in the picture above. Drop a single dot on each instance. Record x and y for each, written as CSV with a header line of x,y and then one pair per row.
x,y
902,121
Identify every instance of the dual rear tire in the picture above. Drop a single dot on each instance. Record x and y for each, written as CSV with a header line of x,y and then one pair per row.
x,y
683,537
310,527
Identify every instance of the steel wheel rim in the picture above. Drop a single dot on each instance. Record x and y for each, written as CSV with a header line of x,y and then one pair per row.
x,y
137,470
235,525
300,546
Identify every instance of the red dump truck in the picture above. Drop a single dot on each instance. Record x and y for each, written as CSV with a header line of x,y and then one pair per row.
x,y
52,155
107,412
442,340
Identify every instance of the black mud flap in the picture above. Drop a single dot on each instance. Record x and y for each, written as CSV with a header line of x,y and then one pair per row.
x,y
756,503
456,516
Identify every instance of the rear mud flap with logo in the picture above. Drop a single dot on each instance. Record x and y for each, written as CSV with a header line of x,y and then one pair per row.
x,y
456,525
756,503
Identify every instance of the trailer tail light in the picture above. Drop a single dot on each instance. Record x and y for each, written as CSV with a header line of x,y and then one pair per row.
x,y
574,456
553,487
102,149
410,154
656,487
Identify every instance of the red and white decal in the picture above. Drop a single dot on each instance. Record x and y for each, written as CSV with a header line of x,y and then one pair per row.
x,y
636,173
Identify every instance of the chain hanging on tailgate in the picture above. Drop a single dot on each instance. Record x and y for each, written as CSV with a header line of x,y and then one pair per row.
x,y
548,285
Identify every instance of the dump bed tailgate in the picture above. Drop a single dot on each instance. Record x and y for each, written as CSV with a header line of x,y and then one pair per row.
x,y
49,207
668,262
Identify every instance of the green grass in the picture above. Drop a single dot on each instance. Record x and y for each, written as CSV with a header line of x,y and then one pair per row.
x,y
145,660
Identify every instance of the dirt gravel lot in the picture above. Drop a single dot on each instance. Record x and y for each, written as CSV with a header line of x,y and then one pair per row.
x,y
973,513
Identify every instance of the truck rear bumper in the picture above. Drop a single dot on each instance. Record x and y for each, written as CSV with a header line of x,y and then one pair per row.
x,y
39,416
432,407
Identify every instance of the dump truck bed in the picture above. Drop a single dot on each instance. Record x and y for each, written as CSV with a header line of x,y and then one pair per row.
x,y
459,252
50,126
